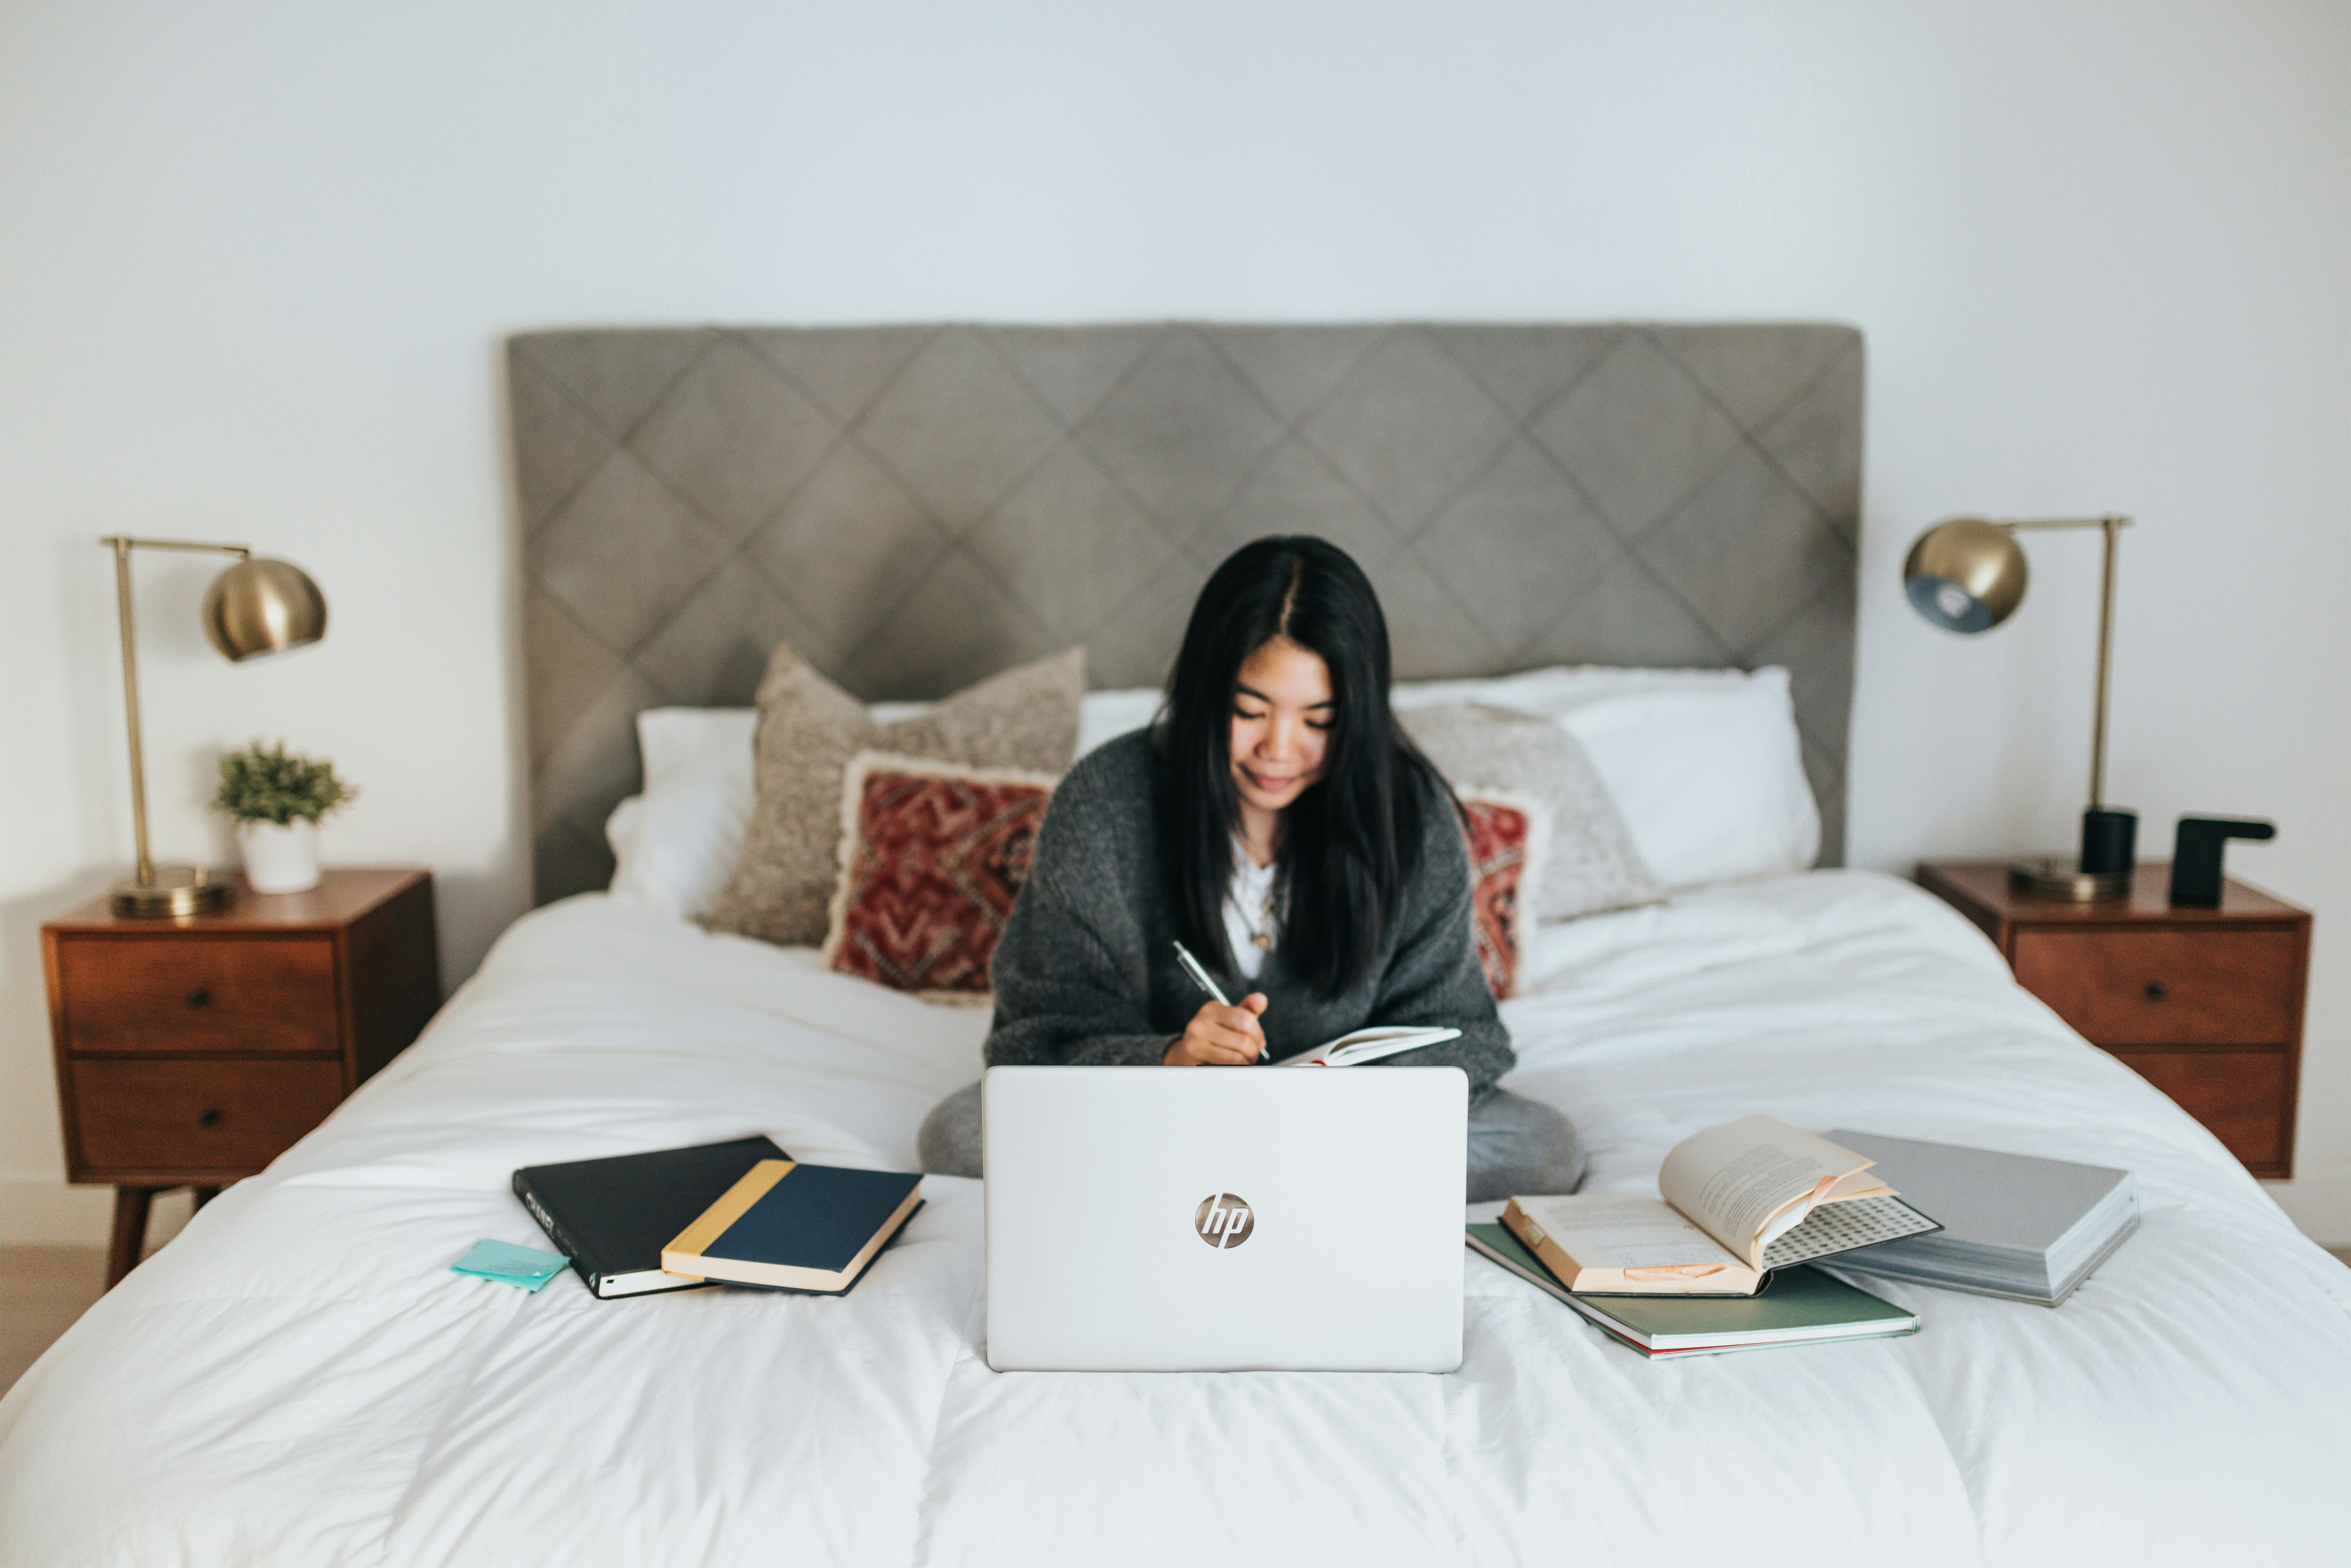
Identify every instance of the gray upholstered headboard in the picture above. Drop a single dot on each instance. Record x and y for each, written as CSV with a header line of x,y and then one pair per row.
x,y
916,507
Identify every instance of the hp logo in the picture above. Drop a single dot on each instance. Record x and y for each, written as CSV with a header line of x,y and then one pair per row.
x,y
1224,1220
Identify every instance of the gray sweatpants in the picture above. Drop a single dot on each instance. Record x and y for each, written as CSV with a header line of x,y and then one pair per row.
x,y
1516,1144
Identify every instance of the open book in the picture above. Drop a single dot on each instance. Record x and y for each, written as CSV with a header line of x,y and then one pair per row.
x,y
1368,1045
1739,1200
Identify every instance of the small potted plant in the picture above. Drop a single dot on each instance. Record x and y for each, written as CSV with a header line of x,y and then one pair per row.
x,y
276,801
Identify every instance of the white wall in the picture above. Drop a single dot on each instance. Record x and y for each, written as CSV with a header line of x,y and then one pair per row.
x,y
256,262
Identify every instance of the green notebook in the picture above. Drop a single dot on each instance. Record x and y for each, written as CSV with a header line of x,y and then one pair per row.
x,y
1796,1306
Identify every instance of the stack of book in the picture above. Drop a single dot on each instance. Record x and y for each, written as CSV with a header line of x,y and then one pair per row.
x,y
1717,1262
739,1212
1796,1306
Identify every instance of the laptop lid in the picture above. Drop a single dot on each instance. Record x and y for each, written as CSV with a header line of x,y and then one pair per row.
x,y
1157,1220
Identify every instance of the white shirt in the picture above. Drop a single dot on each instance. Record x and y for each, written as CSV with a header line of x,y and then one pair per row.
x,y
1245,914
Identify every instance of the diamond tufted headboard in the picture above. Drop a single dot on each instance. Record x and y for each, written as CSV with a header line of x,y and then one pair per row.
x,y
916,507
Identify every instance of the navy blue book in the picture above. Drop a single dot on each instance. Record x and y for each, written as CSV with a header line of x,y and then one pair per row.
x,y
793,1227
611,1217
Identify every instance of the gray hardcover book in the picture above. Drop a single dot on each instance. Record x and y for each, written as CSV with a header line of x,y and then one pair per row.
x,y
2013,1225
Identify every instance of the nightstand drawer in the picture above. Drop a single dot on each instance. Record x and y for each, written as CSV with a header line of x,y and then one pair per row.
x,y
2166,987
2243,1097
216,1116
198,994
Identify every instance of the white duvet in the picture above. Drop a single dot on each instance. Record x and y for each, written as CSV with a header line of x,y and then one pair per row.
x,y
299,1379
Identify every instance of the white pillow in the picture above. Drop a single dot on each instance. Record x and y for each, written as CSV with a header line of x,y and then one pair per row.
x,y
672,740
1710,778
675,844
1704,763
1553,690
1106,716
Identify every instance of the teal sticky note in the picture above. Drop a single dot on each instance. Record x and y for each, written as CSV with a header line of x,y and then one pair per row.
x,y
525,1267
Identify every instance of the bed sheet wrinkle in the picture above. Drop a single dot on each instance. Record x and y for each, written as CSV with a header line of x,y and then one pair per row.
x,y
766,1426
1841,914
299,1362
1184,1468
1661,1461
2103,1436
300,1466
974,1326
507,1319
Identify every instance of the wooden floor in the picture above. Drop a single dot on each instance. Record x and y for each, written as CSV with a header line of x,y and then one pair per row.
x,y
44,1289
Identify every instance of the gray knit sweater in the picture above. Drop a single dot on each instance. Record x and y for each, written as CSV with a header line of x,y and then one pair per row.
x,y
1086,971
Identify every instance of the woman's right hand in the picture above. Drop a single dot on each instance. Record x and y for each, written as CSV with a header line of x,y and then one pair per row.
x,y
1219,1036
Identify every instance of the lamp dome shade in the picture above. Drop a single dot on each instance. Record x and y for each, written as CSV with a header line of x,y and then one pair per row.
x,y
1965,575
261,606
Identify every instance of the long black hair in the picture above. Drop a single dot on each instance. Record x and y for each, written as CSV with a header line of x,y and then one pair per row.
x,y
1352,841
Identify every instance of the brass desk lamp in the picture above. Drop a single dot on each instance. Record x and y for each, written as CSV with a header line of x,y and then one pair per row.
x,y
1968,575
257,606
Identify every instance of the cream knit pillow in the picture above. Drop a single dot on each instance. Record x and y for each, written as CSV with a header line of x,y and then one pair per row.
x,y
1592,863
1024,718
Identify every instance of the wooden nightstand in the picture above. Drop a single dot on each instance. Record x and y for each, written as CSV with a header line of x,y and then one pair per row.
x,y
192,1052
2205,1004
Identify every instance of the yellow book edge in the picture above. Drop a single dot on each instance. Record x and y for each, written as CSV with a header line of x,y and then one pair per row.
x,y
687,1257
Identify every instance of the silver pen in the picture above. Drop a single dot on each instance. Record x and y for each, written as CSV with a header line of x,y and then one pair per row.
x,y
1200,976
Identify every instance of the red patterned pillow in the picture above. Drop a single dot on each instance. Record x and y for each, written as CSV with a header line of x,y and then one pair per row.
x,y
933,854
1508,836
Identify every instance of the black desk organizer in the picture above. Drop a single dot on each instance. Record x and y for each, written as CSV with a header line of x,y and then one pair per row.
x,y
2196,855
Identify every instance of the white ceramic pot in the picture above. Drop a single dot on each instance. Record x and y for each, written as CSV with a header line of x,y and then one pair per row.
x,y
280,860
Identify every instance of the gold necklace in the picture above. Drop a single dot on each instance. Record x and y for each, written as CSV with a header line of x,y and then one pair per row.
x,y
1262,928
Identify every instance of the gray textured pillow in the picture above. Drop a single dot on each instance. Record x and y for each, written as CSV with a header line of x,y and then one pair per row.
x,y
1025,718
1593,864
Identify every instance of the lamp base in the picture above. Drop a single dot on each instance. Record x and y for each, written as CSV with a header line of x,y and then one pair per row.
x,y
2062,877
177,890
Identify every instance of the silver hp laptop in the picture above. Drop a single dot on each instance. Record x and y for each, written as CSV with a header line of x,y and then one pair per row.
x,y
1150,1219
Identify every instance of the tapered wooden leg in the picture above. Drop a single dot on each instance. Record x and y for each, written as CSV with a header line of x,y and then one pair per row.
x,y
204,1195
131,1205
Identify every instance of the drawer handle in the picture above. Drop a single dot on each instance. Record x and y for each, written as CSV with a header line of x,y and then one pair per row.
x,y
2155,991
199,996
209,1117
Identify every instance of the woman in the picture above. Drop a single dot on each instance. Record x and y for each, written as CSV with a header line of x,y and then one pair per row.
x,y
1278,824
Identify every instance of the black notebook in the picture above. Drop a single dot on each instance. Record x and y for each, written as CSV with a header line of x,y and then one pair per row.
x,y
612,1216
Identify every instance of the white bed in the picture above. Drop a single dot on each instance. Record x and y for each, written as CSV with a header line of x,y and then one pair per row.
x,y
299,1379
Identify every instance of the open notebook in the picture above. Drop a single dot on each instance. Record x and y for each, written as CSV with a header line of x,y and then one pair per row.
x,y
1369,1045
